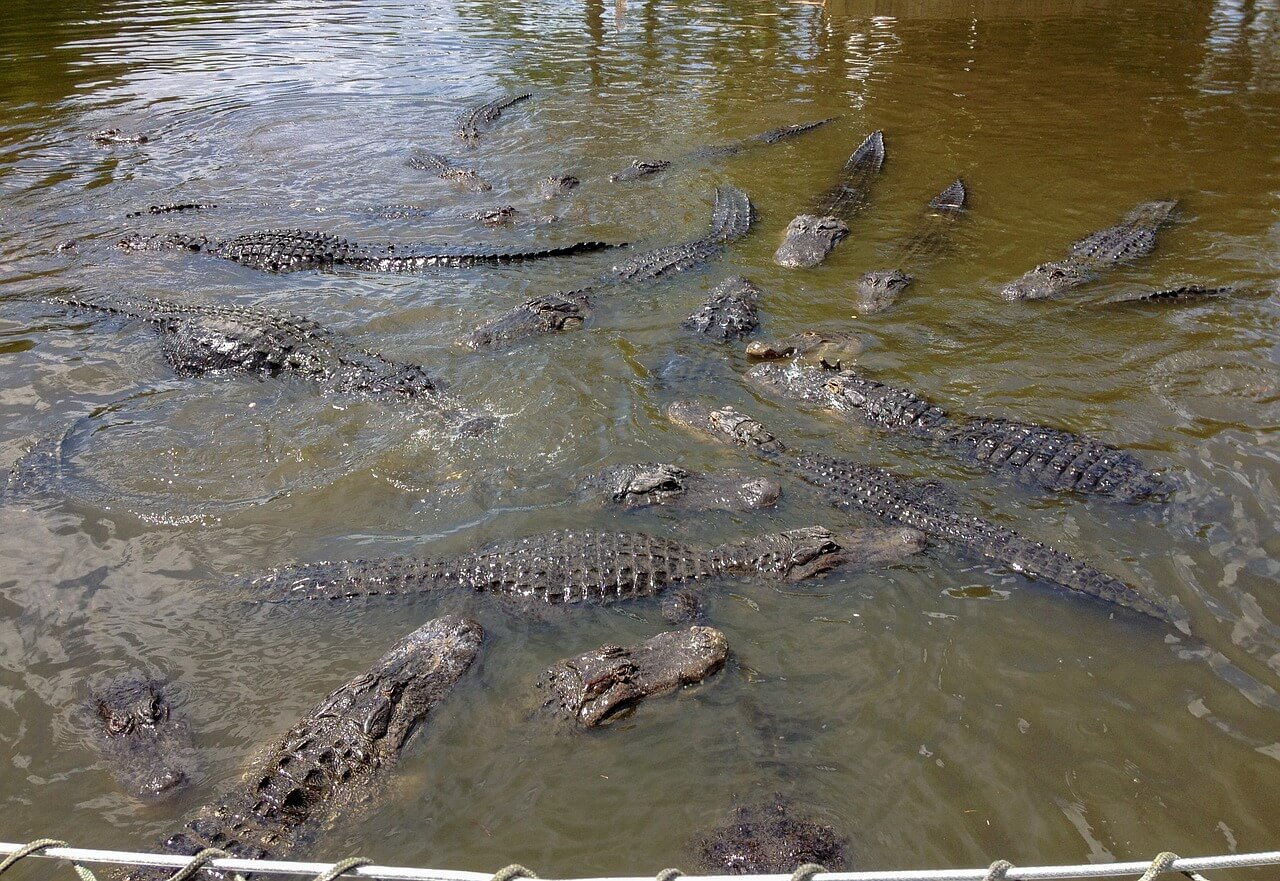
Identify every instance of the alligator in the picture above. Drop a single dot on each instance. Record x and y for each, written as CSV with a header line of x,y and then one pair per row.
x,y
448,171
879,288
925,506
469,123
494,216
595,687
1192,293
656,483
172,207
201,338
291,250
546,313
646,167
768,838
147,746
1038,455
577,566
337,758
1090,257
828,348
811,237
109,136
557,185
729,312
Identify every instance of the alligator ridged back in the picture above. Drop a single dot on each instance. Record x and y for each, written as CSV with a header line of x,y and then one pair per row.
x,y
888,406
468,123
732,216
848,196
730,220
773,135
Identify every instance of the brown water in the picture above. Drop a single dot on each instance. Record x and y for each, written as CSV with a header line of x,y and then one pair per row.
x,y
939,713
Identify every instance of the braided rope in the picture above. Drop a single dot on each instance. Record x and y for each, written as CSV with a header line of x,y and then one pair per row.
x,y
27,850
511,872
668,875
197,863
998,870
342,868
1159,865
806,871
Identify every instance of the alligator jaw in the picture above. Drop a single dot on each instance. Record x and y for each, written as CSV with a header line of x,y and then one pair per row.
x,y
810,239
725,425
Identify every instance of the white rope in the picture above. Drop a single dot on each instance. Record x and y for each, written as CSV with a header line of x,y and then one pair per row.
x,y
391,873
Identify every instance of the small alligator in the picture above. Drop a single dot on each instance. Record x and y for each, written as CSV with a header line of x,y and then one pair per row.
x,y
201,338
730,219
291,250
557,185
1037,455
336,759
594,687
1133,237
469,123
645,167
147,746
655,483
109,136
729,312
879,288
1192,293
171,208
828,348
448,171
768,839
924,506
577,566
811,237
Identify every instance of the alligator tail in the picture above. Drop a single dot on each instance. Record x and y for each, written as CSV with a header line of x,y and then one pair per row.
x,y
773,135
869,155
952,199
349,579
732,216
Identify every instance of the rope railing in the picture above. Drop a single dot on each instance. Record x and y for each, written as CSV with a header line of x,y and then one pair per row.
x,y
358,867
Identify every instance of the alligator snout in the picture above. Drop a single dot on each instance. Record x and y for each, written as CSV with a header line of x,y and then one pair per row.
x,y
810,239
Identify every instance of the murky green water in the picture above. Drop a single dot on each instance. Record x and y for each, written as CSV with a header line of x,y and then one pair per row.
x,y
936,726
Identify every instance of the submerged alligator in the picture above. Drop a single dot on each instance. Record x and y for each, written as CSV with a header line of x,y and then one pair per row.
x,y
827,348
1038,455
1090,257
769,839
578,566
656,483
879,288
146,745
446,170
291,250
172,207
811,237
645,167
201,338
729,312
1191,293
108,136
337,757
730,220
594,687
855,487
469,123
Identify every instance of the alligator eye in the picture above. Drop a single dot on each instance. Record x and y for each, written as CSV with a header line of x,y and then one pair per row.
x,y
118,724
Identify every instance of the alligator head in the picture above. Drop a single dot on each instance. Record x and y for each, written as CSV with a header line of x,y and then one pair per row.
x,y
494,216
880,287
827,349
1046,280
557,185
648,483
147,747
537,315
725,425
387,704
810,239
639,168
799,384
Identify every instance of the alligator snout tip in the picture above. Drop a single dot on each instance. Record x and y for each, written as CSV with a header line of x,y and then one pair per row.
x,y
165,782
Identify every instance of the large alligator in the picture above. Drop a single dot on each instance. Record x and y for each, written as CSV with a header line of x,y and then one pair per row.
x,y
924,506
729,312
811,237
656,483
1050,458
577,566
879,288
446,170
469,123
593,688
200,338
1090,257
147,746
290,250
646,167
769,838
730,219
337,758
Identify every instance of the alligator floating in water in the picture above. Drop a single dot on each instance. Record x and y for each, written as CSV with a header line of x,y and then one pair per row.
x,y
200,338
594,687
557,185
655,483
1192,293
469,123
1038,455
855,487
729,312
446,170
730,219
109,136
145,743
646,167
337,758
1133,237
828,348
291,250
811,237
577,566
879,288
767,839
172,207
